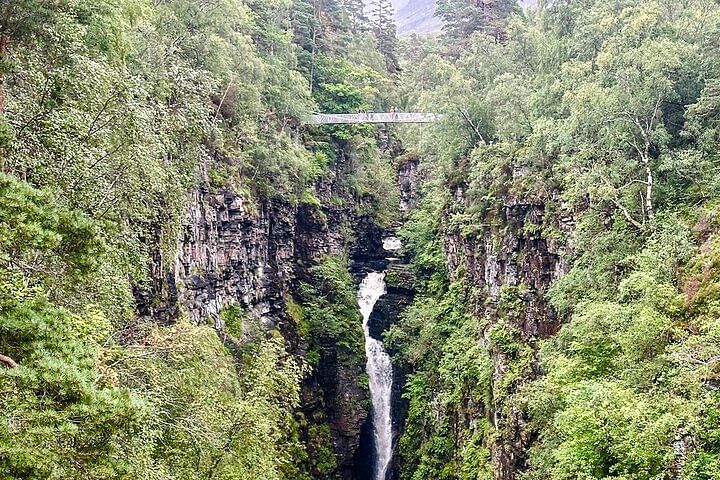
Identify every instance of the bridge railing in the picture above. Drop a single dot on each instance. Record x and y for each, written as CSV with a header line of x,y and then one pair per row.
x,y
391,117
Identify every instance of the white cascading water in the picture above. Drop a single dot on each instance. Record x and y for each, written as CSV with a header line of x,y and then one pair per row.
x,y
392,243
379,370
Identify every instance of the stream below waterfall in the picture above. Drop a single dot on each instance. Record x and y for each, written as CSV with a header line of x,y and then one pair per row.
x,y
380,375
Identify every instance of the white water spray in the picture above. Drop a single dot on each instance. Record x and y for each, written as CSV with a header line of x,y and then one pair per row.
x,y
379,370
392,244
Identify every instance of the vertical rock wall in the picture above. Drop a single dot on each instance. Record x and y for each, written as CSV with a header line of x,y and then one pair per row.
x,y
250,254
504,254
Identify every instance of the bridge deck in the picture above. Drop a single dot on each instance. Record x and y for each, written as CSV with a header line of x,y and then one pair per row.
x,y
397,117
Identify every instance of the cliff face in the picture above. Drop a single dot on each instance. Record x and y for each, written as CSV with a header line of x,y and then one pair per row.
x,y
507,254
233,251
511,265
248,255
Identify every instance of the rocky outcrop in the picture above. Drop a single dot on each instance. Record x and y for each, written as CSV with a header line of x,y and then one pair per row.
x,y
334,396
235,252
399,280
505,253
409,180
509,256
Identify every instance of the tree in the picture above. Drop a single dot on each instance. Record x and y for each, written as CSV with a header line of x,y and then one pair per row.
x,y
18,20
62,417
463,17
606,112
382,18
216,416
356,12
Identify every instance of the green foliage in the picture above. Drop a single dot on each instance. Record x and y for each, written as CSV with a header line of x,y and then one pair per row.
x,y
461,17
79,406
320,440
62,418
235,320
383,22
6,135
439,341
113,111
36,235
421,239
330,310
213,419
329,319
371,179
297,314
603,117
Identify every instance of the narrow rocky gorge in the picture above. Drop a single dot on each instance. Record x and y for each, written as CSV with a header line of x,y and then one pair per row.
x,y
237,256
216,264
240,256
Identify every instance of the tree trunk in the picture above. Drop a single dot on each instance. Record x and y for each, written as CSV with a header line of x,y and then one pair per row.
x,y
648,189
4,43
8,361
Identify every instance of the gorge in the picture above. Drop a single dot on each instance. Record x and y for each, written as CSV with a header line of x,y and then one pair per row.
x,y
204,277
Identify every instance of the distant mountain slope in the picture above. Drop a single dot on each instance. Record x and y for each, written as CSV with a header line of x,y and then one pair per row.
x,y
416,16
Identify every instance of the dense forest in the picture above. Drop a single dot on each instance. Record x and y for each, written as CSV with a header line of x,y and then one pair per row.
x,y
181,249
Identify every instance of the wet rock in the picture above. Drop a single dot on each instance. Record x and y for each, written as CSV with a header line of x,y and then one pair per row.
x,y
409,181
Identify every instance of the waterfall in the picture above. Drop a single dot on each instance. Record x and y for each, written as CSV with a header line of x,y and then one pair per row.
x,y
392,243
379,370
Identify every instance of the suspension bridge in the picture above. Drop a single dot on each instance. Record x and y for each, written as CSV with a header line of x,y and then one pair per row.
x,y
389,117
